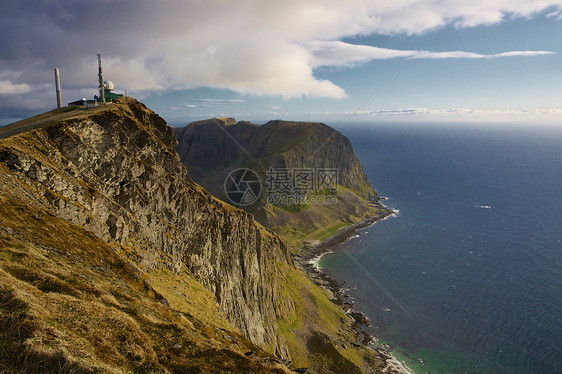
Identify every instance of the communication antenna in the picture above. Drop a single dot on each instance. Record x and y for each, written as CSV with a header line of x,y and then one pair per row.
x,y
57,86
100,76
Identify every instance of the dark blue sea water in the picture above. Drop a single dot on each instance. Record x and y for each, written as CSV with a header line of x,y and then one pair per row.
x,y
468,277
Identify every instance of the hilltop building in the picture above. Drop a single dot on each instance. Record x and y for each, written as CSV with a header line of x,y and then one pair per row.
x,y
106,94
109,96
85,103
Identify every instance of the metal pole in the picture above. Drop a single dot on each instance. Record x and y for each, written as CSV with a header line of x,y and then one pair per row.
x,y
100,75
57,85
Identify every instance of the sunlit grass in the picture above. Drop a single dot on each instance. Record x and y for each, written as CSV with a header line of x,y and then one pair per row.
x,y
70,303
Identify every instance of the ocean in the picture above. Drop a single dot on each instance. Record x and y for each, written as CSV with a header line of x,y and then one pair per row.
x,y
467,277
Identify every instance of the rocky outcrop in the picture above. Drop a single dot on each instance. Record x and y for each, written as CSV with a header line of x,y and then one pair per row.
x,y
214,148
210,145
113,171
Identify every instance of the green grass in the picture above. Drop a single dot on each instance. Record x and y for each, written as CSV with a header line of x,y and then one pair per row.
x,y
317,221
182,291
284,137
314,314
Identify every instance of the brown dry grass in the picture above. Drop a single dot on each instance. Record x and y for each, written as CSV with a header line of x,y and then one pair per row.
x,y
69,303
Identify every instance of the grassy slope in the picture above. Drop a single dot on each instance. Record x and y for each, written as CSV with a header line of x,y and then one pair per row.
x,y
319,329
68,300
320,221
70,303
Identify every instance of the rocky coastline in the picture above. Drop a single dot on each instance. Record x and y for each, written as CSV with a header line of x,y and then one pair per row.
x,y
307,259
161,248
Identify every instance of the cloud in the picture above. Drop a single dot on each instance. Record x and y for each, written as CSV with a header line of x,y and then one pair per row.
x,y
466,114
201,103
222,101
257,47
337,53
461,54
8,87
422,111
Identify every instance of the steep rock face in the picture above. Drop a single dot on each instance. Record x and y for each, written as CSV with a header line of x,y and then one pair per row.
x,y
114,172
214,148
211,144
70,303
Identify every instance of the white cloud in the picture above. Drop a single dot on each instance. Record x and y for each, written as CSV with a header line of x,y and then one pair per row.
x,y
337,53
11,88
222,101
258,47
542,115
557,14
201,103
411,111
461,54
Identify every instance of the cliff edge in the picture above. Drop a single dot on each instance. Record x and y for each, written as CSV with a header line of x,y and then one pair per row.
x,y
110,178
312,183
115,173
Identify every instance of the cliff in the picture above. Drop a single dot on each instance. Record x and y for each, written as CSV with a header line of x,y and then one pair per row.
x,y
100,206
222,142
71,303
116,174
214,148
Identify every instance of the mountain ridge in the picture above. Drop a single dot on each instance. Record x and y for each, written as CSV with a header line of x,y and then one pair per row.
x,y
212,149
111,174
139,200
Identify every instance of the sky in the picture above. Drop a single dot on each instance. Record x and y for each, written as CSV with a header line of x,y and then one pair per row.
x,y
316,60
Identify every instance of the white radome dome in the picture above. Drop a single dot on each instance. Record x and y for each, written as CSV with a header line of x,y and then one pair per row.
x,y
108,85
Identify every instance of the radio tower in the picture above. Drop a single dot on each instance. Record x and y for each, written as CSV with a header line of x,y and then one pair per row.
x,y
100,75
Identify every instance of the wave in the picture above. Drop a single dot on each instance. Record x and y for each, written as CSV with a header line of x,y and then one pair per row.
x,y
316,260
354,236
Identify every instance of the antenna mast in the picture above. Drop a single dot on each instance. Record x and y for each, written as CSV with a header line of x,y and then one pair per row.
x,y
57,85
100,75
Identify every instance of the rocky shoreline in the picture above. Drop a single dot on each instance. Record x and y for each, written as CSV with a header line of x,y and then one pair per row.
x,y
307,260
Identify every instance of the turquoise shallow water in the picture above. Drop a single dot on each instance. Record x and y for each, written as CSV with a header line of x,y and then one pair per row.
x,y
467,278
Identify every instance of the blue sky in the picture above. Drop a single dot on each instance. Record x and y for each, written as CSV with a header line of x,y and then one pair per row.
x,y
320,60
